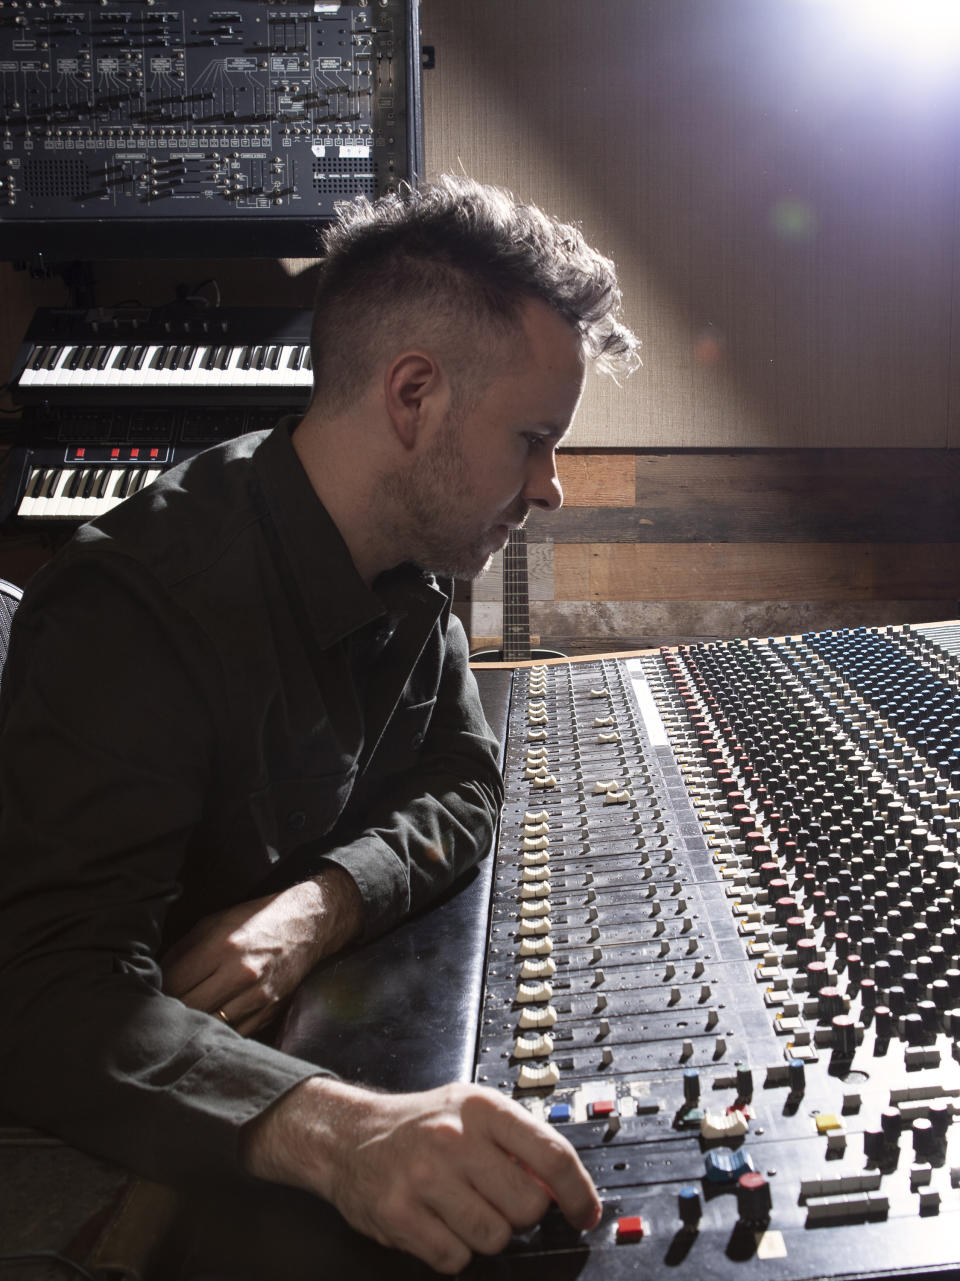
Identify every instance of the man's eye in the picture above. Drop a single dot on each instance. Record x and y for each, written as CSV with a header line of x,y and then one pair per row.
x,y
535,441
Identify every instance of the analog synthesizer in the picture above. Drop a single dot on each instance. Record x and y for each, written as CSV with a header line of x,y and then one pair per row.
x,y
134,127
724,956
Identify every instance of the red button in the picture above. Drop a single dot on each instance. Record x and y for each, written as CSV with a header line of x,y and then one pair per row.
x,y
114,453
154,453
134,453
630,1228
603,1108
80,452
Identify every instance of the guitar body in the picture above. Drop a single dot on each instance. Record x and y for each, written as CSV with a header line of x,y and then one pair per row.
x,y
516,609
500,656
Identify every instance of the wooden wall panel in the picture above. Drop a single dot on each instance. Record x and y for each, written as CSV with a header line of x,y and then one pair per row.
x,y
779,196
742,542
756,571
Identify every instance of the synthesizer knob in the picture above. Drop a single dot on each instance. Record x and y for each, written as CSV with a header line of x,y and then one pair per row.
x,y
844,1032
796,1076
689,1206
691,1086
890,1121
753,1197
924,1139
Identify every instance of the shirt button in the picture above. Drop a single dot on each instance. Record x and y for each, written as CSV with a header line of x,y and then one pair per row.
x,y
417,740
296,820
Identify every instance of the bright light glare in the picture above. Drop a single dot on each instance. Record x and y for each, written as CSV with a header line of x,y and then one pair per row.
x,y
920,31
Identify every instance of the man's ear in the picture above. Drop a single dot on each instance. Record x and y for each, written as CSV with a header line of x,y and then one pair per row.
x,y
415,391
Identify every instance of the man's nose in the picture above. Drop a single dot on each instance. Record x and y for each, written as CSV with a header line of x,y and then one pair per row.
x,y
543,485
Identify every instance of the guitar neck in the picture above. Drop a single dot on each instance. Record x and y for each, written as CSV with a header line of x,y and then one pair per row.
x,y
516,598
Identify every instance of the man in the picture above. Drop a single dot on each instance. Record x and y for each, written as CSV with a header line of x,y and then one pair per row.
x,y
239,733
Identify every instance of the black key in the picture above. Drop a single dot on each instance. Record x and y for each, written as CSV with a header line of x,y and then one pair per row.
x,y
309,361
53,356
73,484
71,360
103,357
295,357
245,358
138,357
105,475
89,356
223,357
259,356
273,358
186,357
36,358
159,356
89,482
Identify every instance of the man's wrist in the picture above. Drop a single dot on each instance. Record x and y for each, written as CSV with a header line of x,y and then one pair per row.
x,y
340,909
295,1141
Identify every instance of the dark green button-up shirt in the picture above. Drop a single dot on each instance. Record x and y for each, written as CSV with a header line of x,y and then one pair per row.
x,y
204,702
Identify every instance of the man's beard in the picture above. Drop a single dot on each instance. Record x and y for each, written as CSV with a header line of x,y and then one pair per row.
x,y
432,502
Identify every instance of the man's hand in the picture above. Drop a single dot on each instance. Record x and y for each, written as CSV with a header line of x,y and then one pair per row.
x,y
442,1173
246,960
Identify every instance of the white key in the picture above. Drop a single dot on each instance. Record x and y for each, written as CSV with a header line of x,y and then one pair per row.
x,y
49,508
112,495
29,500
60,374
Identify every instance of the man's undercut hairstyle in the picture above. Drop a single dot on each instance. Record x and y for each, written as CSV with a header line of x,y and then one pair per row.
x,y
449,266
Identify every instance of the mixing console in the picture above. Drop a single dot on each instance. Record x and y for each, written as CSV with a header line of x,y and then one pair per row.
x,y
724,956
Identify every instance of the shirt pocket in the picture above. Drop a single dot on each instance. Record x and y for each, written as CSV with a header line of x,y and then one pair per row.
x,y
290,812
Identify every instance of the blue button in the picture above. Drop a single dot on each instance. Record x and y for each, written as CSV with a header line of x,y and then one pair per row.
x,y
560,1112
726,1166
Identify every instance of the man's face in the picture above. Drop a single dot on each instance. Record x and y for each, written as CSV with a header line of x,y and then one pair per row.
x,y
480,475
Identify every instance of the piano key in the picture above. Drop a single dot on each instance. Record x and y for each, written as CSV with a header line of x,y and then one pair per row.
x,y
60,494
28,501
131,367
36,364
58,370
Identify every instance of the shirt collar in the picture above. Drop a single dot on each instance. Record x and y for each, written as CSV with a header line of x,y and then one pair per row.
x,y
336,598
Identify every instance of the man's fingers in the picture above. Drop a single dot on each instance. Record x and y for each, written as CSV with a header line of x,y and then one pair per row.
x,y
549,1158
186,966
429,1238
518,1196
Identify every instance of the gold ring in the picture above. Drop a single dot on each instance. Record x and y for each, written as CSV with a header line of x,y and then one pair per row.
x,y
221,1015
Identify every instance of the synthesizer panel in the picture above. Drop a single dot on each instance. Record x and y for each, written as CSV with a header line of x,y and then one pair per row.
x,y
724,956
206,128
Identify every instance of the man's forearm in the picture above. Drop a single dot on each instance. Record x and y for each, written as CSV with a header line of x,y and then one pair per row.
x,y
242,963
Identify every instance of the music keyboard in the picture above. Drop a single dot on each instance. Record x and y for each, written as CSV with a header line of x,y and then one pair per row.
x,y
78,464
227,356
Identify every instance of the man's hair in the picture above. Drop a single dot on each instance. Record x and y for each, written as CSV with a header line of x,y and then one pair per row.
x,y
451,264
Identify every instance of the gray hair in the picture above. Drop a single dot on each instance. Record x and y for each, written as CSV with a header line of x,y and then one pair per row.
x,y
453,262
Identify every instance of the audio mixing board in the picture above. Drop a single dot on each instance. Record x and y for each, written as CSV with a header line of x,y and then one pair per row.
x,y
724,957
